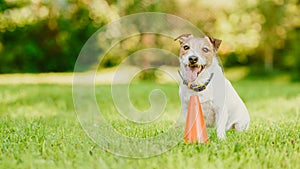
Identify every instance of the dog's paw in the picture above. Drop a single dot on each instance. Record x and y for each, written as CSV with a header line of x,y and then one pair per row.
x,y
221,135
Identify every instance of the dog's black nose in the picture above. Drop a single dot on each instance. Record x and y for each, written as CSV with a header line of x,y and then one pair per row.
x,y
193,59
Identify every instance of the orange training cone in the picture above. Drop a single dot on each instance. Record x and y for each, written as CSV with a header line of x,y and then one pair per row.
x,y
195,129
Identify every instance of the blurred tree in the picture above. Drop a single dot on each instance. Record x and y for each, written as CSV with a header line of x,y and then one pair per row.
x,y
279,21
291,60
273,32
254,32
43,35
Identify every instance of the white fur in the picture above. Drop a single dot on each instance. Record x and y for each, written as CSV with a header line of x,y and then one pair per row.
x,y
220,102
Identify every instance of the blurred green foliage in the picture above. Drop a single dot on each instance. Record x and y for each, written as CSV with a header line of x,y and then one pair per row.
x,y
47,35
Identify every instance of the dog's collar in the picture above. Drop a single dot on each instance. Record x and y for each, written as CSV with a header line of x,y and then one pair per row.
x,y
199,87
194,86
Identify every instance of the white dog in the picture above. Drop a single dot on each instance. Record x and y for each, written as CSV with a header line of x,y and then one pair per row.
x,y
203,76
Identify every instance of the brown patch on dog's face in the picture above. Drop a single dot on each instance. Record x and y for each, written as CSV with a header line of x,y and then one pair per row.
x,y
197,53
204,48
215,42
185,47
183,37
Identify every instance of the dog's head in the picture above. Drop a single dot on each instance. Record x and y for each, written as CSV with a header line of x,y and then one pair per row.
x,y
196,54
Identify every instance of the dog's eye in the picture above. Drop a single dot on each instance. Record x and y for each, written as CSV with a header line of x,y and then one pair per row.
x,y
205,50
186,47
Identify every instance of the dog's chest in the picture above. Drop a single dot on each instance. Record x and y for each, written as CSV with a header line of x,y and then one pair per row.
x,y
208,113
206,100
205,97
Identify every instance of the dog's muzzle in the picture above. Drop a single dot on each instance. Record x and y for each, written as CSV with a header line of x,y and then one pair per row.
x,y
193,60
192,71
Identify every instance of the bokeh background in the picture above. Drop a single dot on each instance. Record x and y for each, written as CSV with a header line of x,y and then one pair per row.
x,y
40,41
260,37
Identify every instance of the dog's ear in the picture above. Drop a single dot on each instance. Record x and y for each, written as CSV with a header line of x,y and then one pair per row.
x,y
215,42
183,37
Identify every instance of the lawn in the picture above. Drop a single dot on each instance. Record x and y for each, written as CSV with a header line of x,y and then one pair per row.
x,y
39,129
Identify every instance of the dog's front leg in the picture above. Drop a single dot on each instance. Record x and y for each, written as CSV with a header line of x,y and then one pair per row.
x,y
221,119
184,108
184,101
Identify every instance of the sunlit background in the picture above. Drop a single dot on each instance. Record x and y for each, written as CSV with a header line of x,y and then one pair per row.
x,y
259,37
40,41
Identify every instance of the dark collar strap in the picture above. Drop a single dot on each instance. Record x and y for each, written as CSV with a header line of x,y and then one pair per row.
x,y
196,87
199,87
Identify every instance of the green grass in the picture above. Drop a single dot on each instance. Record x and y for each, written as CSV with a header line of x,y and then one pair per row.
x,y
39,129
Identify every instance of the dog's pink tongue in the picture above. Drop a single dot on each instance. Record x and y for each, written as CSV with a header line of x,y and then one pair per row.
x,y
192,73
